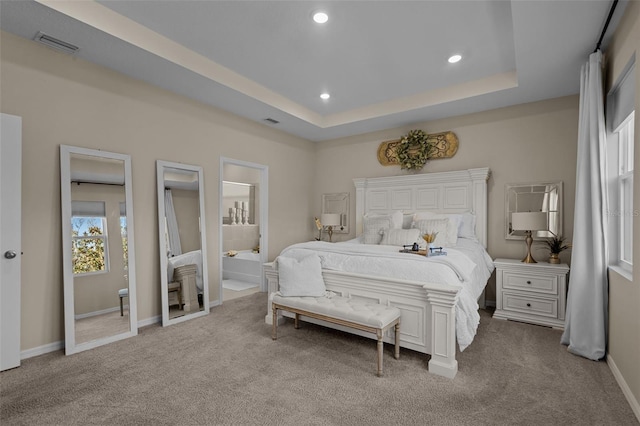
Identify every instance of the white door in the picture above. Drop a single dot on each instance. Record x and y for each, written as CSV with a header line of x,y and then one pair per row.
x,y
10,239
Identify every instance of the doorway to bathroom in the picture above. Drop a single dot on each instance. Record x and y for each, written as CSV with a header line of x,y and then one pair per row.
x,y
243,227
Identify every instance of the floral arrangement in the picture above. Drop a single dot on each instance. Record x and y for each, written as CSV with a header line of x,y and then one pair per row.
x,y
413,150
430,238
556,245
319,226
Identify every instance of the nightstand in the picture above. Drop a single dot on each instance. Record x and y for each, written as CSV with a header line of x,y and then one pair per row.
x,y
531,292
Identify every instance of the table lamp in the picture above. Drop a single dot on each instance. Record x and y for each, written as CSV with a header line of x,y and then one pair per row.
x,y
330,220
528,222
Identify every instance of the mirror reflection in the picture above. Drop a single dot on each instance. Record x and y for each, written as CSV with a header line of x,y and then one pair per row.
x,y
535,197
99,294
337,204
239,203
182,247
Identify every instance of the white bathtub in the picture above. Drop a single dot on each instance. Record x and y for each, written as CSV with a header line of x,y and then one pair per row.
x,y
244,266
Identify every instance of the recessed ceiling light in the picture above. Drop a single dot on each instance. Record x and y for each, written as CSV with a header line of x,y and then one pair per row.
x,y
325,96
454,59
320,17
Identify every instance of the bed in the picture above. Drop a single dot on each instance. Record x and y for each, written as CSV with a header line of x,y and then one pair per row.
x,y
438,296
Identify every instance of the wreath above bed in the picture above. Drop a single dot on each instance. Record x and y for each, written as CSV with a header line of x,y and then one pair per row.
x,y
413,150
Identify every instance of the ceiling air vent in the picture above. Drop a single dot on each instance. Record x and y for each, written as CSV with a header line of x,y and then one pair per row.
x,y
55,43
271,120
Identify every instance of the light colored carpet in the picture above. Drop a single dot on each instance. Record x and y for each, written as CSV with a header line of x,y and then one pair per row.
x,y
225,369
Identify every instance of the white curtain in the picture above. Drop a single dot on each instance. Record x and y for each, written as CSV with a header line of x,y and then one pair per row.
x,y
586,317
173,236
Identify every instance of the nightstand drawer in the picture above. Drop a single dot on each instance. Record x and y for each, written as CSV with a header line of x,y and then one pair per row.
x,y
534,283
530,305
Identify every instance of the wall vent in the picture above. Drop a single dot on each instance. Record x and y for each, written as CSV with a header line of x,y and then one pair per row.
x,y
55,43
271,120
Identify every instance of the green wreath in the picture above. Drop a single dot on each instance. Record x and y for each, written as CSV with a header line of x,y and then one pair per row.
x,y
413,150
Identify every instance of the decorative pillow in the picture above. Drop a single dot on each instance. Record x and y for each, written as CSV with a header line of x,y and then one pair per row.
x,y
395,218
400,237
447,231
301,277
372,228
467,227
456,219
407,220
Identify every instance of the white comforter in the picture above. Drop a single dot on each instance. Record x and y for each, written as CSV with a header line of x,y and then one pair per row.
x,y
467,265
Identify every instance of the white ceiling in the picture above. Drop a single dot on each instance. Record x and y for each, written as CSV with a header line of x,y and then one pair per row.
x,y
383,62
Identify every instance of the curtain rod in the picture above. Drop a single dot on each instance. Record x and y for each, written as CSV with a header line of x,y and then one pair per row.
x,y
606,24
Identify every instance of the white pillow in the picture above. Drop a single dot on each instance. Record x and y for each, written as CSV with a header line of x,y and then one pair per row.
x,y
407,220
301,277
395,218
456,219
447,231
467,227
400,237
373,227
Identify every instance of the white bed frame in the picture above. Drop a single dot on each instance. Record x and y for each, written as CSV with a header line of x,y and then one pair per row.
x,y
428,310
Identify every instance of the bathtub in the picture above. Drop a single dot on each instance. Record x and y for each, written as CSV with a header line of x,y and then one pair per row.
x,y
244,266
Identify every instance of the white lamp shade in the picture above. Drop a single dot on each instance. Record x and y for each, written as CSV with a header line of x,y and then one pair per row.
x,y
529,221
330,219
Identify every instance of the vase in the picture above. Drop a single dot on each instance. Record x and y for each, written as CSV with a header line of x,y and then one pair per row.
x,y
554,258
429,247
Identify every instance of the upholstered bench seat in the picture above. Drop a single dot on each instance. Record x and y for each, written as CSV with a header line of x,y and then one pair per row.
x,y
359,314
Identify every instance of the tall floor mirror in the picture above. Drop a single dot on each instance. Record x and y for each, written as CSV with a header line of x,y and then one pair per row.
x,y
97,248
183,249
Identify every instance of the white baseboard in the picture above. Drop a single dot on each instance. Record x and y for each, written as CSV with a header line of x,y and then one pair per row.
x,y
102,312
149,321
41,350
56,346
633,402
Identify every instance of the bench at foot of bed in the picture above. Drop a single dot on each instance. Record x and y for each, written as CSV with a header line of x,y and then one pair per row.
x,y
370,317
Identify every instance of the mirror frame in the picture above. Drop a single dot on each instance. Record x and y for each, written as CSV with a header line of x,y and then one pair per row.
x,y
339,198
71,346
507,218
161,165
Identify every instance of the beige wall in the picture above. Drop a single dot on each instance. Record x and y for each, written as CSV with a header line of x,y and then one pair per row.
x,y
64,100
533,142
624,295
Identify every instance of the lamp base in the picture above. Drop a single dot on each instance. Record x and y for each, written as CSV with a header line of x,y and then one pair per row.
x,y
528,240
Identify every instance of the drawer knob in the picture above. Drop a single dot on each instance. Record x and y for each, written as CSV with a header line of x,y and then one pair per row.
x,y
528,305
528,282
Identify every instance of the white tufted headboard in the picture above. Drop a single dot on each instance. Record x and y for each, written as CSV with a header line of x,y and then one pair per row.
x,y
443,192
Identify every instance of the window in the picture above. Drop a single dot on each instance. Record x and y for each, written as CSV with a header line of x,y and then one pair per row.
x,y
620,117
625,191
123,234
621,211
89,237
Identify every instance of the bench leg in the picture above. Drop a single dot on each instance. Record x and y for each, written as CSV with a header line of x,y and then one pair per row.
x,y
397,337
380,350
296,322
274,326
121,307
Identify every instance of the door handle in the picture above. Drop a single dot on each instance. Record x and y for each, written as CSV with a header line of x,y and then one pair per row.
x,y
10,254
